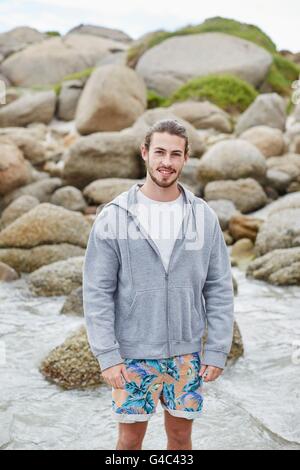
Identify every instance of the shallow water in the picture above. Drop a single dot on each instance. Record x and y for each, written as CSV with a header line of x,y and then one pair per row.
x,y
254,405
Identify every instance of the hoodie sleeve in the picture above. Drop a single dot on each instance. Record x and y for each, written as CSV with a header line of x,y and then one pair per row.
x,y
100,275
219,302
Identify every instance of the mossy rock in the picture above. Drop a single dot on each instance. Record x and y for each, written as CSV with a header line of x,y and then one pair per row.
x,y
283,72
81,75
217,24
226,91
154,100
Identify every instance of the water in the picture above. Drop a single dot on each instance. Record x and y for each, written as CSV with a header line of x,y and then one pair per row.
x,y
254,405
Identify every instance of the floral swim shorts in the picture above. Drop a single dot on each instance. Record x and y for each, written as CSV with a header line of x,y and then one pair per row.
x,y
174,381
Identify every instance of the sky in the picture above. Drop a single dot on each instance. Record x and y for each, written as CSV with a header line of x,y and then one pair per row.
x,y
279,19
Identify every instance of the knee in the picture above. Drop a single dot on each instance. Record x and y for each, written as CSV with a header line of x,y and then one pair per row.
x,y
131,440
179,436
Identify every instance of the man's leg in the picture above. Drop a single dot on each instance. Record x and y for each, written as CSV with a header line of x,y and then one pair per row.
x,y
179,432
131,435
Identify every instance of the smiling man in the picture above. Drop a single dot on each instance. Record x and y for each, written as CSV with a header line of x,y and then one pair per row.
x,y
152,282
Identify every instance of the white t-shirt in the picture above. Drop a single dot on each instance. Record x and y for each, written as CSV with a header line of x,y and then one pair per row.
x,y
161,221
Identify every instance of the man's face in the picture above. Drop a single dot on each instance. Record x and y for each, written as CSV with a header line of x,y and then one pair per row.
x,y
165,159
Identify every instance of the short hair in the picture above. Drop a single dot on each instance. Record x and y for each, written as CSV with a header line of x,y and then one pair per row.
x,y
171,126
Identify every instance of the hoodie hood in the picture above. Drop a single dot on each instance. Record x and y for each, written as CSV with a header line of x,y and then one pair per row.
x,y
128,201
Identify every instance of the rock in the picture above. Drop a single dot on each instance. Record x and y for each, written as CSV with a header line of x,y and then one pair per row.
x,y
232,159
188,175
280,230
113,98
106,189
288,201
242,252
237,347
27,260
58,278
268,109
34,107
68,99
241,226
48,62
7,274
41,189
246,194
268,140
102,155
284,170
70,198
18,38
167,66
297,144
151,116
72,365
102,31
14,171
280,267
18,207
46,223
28,141
74,303
203,115
225,210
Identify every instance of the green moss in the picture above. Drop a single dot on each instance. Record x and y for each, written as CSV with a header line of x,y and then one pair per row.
x,y
217,24
154,100
73,76
52,33
282,74
226,91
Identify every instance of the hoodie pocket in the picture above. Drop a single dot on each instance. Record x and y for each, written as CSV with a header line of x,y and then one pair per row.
x,y
185,320
146,318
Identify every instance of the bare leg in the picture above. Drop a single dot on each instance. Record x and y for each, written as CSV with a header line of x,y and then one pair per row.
x,y
179,432
131,435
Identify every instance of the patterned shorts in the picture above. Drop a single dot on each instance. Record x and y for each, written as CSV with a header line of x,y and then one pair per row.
x,y
174,381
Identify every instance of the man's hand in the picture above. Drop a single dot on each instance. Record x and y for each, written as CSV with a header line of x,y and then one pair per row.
x,y
211,373
115,376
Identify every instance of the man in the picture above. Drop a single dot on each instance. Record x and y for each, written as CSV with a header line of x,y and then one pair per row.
x,y
148,298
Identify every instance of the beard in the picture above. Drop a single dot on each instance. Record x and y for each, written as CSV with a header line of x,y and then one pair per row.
x,y
161,180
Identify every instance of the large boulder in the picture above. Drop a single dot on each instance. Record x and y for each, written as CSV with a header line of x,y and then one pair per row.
x,y
44,224
268,140
72,364
29,141
112,99
102,155
203,115
14,170
30,108
51,60
68,99
106,189
283,171
232,159
171,63
18,38
70,198
42,189
27,260
58,278
268,109
280,267
280,230
101,31
246,194
18,207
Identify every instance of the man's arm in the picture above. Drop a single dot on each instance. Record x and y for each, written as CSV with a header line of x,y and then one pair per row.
x,y
100,274
219,302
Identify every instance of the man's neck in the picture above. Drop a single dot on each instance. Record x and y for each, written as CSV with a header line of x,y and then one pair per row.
x,y
158,193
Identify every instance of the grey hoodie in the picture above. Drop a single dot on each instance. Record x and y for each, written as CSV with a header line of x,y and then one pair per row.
x,y
136,309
